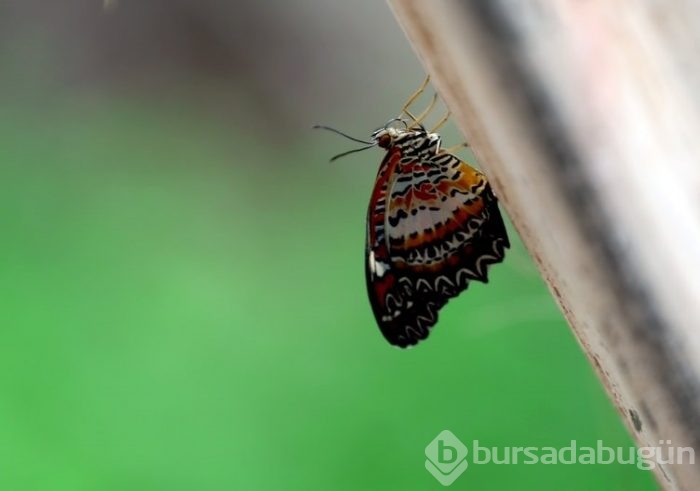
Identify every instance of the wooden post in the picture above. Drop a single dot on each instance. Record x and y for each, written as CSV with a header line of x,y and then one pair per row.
x,y
586,118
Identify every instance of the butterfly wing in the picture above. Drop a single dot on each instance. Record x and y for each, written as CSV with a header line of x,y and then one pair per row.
x,y
433,226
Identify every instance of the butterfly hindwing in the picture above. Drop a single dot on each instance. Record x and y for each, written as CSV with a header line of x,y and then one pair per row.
x,y
433,225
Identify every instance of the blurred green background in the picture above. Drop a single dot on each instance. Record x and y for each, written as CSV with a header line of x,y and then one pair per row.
x,y
183,297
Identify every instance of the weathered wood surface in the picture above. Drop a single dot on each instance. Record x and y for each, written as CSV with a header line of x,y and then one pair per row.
x,y
586,118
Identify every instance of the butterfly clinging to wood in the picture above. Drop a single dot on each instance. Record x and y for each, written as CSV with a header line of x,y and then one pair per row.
x,y
433,225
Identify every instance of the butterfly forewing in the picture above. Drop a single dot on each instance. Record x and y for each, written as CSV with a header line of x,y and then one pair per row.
x,y
433,225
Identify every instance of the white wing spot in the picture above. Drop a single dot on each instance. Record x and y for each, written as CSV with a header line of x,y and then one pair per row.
x,y
377,267
380,268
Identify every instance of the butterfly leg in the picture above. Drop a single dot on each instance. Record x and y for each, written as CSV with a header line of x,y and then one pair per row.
x,y
440,123
418,119
453,148
415,95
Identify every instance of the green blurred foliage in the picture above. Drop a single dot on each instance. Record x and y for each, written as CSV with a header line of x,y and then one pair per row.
x,y
184,308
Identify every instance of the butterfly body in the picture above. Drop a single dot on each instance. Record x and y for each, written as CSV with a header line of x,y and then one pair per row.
x,y
433,225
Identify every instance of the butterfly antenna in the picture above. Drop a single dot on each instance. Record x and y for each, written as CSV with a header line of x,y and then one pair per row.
x,y
351,151
338,132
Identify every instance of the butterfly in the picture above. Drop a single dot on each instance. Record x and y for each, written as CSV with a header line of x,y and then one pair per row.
x,y
433,225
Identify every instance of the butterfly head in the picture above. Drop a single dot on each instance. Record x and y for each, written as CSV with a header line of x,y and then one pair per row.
x,y
397,132
387,137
